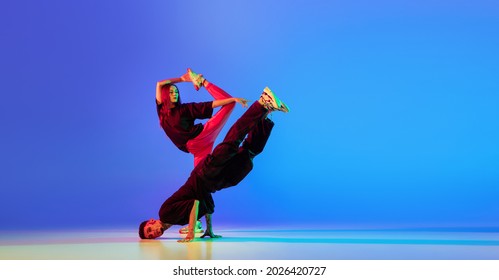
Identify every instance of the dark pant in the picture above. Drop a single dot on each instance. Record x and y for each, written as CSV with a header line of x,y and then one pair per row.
x,y
230,161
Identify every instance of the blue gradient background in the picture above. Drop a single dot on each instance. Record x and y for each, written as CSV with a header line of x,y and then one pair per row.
x,y
394,121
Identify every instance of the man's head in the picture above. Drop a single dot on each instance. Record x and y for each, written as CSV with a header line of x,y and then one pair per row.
x,y
170,95
151,229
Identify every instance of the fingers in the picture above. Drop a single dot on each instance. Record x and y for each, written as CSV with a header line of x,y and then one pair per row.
x,y
188,238
186,77
211,235
185,240
243,102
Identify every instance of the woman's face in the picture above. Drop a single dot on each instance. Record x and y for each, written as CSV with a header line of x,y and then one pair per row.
x,y
173,94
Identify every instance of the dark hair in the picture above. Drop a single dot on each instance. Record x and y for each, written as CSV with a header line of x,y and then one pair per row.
x,y
141,230
165,95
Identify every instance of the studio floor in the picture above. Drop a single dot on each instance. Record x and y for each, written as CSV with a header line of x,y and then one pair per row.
x,y
257,244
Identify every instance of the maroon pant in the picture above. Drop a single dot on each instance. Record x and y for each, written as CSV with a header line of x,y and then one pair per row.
x,y
230,161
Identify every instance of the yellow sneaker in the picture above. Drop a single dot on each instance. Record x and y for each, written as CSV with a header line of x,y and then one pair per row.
x,y
197,79
271,102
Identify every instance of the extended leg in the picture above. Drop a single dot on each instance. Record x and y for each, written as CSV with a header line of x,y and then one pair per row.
x,y
228,149
257,138
236,134
242,163
215,91
202,145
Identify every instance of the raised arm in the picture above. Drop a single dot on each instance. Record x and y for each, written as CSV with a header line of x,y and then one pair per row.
x,y
192,222
160,84
209,228
221,102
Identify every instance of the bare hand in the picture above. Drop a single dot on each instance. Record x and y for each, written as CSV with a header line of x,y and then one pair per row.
x,y
188,238
210,234
242,101
186,77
